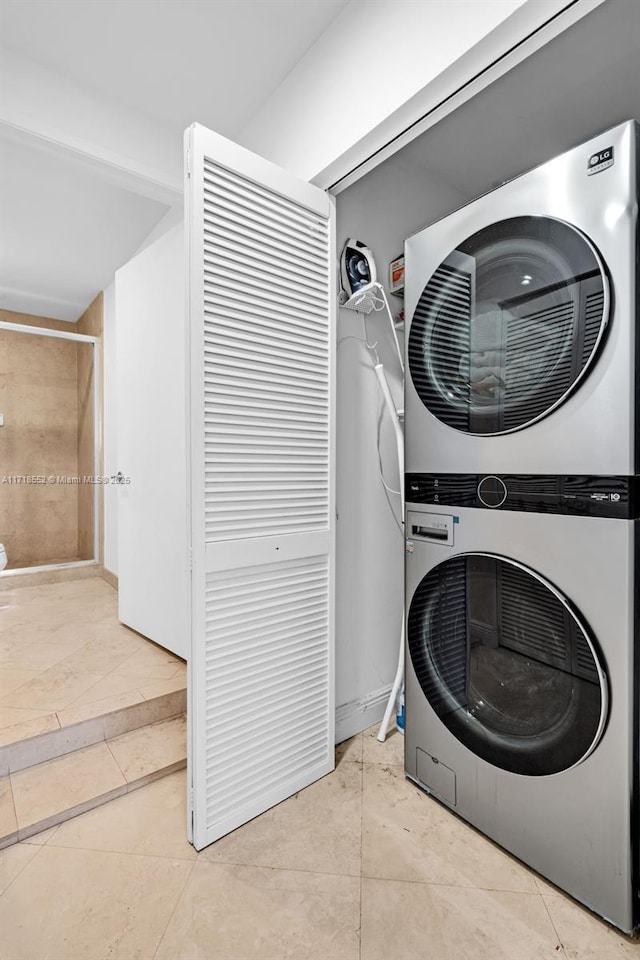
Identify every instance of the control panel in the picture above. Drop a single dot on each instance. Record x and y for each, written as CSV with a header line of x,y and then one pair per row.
x,y
593,496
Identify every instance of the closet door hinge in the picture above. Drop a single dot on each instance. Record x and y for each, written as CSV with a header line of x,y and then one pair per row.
x,y
188,163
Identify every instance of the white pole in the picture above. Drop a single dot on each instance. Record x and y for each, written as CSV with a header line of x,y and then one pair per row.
x,y
397,426
395,689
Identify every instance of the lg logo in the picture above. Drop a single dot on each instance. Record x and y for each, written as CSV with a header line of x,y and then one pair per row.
x,y
615,497
600,161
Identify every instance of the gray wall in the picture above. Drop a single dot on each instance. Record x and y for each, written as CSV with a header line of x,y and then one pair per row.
x,y
382,209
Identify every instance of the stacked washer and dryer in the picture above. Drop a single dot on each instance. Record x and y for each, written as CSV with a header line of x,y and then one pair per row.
x,y
522,412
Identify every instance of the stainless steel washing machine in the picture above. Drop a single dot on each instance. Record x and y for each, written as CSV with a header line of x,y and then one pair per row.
x,y
521,308
522,670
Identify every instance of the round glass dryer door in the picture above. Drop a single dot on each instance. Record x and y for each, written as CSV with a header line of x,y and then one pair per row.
x,y
508,325
507,664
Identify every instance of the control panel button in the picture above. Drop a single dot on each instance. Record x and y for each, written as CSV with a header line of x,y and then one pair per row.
x,y
492,491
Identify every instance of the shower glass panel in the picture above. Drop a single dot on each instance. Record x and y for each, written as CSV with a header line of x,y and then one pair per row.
x,y
48,475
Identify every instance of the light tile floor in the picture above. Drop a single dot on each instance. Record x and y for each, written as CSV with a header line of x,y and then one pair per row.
x,y
64,656
360,866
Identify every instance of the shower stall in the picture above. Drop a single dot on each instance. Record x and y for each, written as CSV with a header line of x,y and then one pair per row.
x,y
50,482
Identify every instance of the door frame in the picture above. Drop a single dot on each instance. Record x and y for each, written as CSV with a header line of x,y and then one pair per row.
x,y
527,30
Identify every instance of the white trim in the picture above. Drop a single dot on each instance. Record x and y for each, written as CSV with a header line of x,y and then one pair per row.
x,y
121,171
97,433
44,332
192,228
522,34
333,413
48,567
97,443
354,717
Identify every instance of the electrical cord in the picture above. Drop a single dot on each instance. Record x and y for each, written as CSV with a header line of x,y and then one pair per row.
x,y
371,347
387,488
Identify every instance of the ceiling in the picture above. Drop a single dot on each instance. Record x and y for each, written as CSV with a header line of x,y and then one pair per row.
x,y
65,230
65,227
214,61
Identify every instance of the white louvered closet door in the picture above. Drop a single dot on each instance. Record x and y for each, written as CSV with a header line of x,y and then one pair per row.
x,y
261,687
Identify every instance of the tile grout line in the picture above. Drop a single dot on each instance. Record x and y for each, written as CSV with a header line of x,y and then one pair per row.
x,y
104,677
54,831
148,778
73,655
39,847
262,866
65,656
15,812
132,783
120,853
555,929
455,886
178,899
115,760
44,713
17,689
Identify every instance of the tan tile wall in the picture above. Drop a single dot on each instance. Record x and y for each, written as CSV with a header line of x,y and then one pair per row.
x,y
39,399
90,324
55,522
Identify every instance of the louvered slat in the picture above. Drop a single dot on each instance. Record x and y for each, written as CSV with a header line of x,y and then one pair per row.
x,y
279,662
288,363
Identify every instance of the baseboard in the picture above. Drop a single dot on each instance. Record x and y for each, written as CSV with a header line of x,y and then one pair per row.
x,y
357,715
59,573
110,577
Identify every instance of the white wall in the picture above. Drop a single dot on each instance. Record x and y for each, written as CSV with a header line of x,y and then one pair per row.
x,y
172,221
372,59
382,209
172,218
150,406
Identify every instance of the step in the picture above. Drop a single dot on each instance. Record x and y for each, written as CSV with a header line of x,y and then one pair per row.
x,y
77,727
39,797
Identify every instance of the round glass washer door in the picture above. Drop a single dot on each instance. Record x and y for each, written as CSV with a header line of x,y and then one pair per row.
x,y
508,325
507,664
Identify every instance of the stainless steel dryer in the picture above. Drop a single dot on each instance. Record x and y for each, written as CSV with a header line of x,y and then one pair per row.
x,y
522,670
521,347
